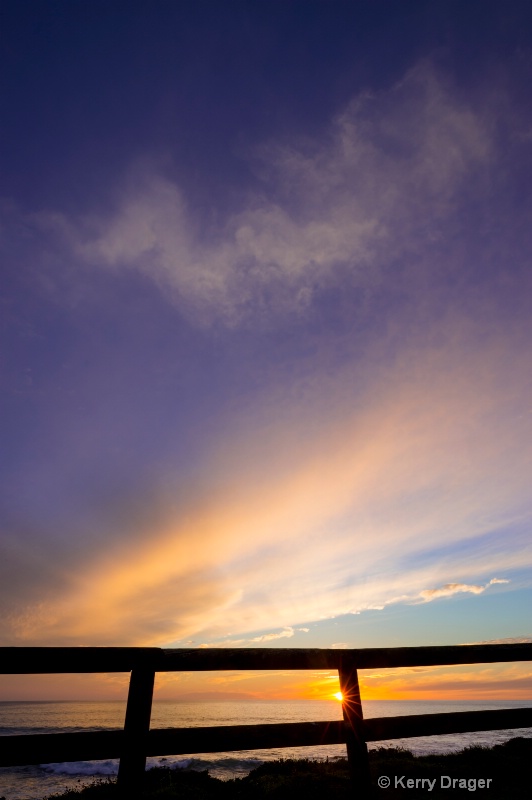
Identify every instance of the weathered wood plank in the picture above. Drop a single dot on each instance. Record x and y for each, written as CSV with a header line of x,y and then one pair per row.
x,y
367,658
58,747
249,658
224,738
180,741
404,727
34,660
357,749
48,748
136,728
46,660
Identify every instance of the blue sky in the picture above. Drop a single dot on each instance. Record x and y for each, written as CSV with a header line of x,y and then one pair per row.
x,y
266,323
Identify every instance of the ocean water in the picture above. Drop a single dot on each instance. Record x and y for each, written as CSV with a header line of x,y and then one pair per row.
x,y
36,782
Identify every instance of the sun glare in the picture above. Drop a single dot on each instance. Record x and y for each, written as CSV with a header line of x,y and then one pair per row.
x,y
339,696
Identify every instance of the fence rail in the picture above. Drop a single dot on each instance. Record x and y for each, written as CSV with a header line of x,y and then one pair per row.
x,y
136,741
42,660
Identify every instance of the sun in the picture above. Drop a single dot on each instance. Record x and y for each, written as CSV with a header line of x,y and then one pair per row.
x,y
339,696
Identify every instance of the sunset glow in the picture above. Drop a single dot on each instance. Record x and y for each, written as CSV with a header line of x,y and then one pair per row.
x,y
266,369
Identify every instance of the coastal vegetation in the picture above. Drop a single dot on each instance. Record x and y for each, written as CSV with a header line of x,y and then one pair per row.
x,y
497,773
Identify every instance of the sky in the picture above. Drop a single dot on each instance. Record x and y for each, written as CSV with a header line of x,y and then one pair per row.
x,y
265,361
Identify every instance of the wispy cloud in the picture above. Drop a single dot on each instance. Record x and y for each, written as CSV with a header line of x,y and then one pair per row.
x,y
286,633
506,640
309,527
344,208
349,485
450,589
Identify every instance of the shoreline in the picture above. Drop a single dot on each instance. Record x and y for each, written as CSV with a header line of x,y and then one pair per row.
x,y
497,773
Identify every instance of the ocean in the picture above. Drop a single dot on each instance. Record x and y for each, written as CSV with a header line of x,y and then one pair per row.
x,y
36,782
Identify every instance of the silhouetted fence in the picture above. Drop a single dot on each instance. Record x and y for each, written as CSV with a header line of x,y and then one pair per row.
x,y
136,741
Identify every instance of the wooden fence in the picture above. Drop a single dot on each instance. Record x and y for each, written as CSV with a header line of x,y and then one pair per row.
x,y
136,741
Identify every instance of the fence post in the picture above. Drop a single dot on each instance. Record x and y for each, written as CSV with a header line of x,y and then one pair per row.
x,y
137,724
357,749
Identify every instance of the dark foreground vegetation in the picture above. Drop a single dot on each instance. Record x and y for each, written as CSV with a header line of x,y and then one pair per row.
x,y
503,772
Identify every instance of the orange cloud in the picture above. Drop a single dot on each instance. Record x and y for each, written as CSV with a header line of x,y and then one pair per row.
x,y
293,526
456,588
476,682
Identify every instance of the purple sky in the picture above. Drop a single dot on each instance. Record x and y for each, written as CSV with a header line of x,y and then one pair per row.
x,y
266,326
